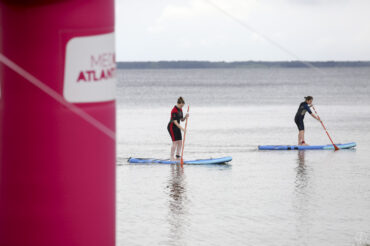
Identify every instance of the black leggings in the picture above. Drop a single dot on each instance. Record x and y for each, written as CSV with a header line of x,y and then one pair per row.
x,y
299,123
174,132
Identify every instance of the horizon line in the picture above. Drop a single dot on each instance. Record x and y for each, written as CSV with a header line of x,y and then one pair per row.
x,y
247,61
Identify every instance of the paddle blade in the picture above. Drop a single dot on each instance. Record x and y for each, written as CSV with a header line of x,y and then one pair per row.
x,y
335,147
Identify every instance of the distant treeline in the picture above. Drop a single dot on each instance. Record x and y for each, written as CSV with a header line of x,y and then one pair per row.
x,y
243,64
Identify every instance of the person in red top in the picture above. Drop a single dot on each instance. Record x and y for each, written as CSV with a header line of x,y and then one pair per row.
x,y
174,128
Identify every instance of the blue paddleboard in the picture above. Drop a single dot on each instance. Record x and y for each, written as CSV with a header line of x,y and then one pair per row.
x,y
212,161
301,147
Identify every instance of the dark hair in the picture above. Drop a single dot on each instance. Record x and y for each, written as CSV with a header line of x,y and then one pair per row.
x,y
308,98
180,100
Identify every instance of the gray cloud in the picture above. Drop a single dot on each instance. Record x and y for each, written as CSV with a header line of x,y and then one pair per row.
x,y
193,30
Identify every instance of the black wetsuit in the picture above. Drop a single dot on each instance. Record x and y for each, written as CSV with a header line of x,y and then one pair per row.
x,y
298,119
173,130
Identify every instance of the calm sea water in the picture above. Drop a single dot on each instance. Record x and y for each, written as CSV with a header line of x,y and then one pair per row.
x,y
262,197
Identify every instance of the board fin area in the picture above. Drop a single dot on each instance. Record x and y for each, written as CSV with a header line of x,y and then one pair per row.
x,y
211,161
303,147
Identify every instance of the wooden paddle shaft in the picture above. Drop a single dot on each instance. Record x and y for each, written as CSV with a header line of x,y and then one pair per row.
x,y
183,142
327,133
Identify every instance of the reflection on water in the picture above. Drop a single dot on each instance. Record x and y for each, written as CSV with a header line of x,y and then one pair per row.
x,y
302,197
177,204
301,177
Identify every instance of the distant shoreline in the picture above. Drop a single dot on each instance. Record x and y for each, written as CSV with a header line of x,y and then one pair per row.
x,y
239,64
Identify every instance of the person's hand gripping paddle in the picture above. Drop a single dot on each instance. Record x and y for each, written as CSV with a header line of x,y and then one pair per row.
x,y
183,141
335,147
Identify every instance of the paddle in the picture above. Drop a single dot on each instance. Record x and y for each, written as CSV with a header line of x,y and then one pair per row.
x,y
335,147
183,142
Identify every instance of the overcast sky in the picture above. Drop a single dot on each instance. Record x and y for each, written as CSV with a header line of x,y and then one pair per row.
x,y
153,30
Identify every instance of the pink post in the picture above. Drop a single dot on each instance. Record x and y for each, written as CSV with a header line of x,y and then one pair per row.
x,y
57,169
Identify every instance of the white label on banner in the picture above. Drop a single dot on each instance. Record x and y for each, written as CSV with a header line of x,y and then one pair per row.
x,y
89,74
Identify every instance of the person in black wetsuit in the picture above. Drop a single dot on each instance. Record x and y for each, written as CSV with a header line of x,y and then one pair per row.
x,y
174,128
298,119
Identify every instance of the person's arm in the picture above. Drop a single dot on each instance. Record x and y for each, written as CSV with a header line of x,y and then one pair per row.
x,y
315,116
307,107
186,116
178,125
